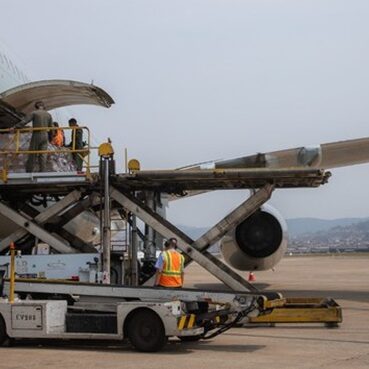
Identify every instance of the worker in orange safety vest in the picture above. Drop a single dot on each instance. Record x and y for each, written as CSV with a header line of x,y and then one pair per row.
x,y
169,266
57,137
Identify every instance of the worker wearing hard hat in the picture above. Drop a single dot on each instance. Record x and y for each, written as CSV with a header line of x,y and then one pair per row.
x,y
169,266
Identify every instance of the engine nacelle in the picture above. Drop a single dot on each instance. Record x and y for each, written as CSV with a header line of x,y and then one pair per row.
x,y
258,243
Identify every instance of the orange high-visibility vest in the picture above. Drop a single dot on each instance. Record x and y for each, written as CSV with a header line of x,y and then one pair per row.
x,y
58,139
171,275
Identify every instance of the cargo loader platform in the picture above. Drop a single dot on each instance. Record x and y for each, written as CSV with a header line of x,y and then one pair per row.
x,y
301,310
273,308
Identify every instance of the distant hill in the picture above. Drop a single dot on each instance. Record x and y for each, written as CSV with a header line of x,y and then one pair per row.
x,y
309,234
300,226
356,231
296,226
349,238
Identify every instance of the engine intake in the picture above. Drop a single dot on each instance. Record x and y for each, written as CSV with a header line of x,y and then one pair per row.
x,y
258,243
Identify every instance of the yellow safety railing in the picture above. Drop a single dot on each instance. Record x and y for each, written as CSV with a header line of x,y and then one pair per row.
x,y
83,152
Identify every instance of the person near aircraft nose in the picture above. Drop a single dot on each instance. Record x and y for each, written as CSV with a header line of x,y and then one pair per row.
x,y
170,266
40,118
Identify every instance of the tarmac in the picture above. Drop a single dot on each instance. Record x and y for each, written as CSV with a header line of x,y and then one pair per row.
x,y
343,277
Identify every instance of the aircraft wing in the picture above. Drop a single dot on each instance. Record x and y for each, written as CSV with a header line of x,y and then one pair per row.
x,y
325,156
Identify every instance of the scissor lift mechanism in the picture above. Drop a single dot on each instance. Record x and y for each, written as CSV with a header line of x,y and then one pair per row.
x,y
81,193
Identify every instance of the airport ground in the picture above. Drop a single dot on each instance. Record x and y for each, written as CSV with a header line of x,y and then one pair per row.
x,y
343,277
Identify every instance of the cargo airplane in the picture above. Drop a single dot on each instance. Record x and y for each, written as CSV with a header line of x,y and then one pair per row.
x,y
258,242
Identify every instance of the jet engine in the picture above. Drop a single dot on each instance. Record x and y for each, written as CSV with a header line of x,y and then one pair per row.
x,y
258,243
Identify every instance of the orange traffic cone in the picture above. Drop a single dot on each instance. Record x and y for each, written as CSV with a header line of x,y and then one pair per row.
x,y
252,277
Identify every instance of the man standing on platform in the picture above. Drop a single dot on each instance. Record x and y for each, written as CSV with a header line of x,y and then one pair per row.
x,y
40,119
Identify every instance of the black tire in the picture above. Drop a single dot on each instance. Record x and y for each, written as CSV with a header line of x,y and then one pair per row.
x,y
146,331
189,338
3,336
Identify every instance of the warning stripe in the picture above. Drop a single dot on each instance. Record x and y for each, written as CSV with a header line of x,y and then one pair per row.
x,y
191,321
186,321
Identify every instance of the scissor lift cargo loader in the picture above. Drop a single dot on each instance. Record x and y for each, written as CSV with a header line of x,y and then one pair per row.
x,y
81,193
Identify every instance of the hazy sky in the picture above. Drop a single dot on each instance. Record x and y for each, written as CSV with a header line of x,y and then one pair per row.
x,y
197,80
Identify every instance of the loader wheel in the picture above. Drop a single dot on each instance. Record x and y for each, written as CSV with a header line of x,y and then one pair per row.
x,y
3,335
146,331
